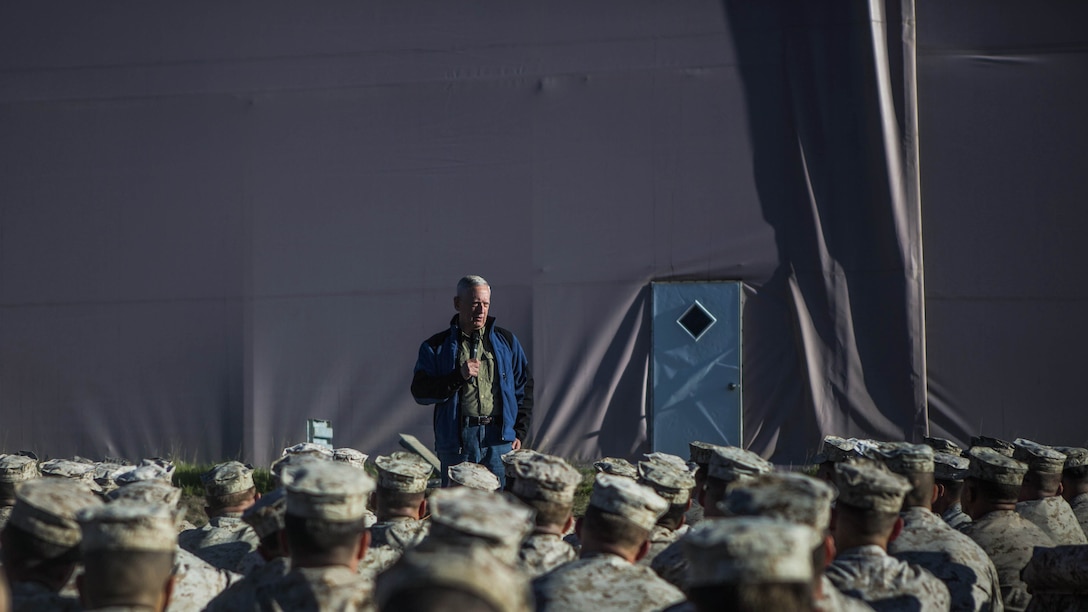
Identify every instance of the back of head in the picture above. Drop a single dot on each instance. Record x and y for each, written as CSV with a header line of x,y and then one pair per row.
x,y
673,480
401,486
229,486
510,461
730,465
751,563
1074,472
621,513
915,462
465,580
1045,465
547,484
325,511
994,476
128,550
870,498
15,469
787,496
42,530
461,517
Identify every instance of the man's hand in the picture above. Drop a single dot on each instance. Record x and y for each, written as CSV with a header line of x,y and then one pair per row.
x,y
516,445
470,368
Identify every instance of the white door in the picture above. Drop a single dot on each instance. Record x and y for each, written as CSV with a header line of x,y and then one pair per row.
x,y
696,363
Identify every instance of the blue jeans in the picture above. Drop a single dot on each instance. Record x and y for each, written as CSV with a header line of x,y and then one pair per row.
x,y
480,444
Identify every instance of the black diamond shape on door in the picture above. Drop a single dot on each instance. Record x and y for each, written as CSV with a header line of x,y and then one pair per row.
x,y
696,320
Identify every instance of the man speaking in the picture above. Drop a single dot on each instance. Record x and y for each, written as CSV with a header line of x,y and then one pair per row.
x,y
477,376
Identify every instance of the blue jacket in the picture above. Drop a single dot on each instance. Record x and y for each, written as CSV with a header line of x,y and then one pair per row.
x,y
437,380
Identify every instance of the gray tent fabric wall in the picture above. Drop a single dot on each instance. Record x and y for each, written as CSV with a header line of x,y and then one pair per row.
x,y
1002,92
221,220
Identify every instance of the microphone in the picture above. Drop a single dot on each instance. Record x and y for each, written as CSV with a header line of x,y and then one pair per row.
x,y
475,343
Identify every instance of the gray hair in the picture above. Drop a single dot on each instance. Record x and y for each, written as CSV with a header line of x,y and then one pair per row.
x,y
470,281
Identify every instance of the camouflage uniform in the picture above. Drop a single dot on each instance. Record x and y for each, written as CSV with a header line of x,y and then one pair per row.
x,y
222,542
955,517
543,552
470,570
34,596
928,542
317,588
389,540
831,599
325,492
5,513
868,572
600,583
252,562
1057,578
1079,504
197,582
1009,539
695,514
660,539
671,565
1055,517
886,583
243,595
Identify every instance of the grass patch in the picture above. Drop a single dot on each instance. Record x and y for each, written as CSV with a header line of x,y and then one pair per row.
x,y
581,494
187,478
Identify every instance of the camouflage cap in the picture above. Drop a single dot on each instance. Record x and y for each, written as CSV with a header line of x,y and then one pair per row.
x,y
1001,446
128,527
672,483
46,508
868,487
907,458
479,513
473,476
789,496
510,459
327,490
943,445
227,478
700,452
672,460
266,515
749,550
990,465
625,497
950,467
352,457
616,467
472,570
17,468
406,473
66,468
835,449
730,463
1075,456
309,448
1040,458
546,477
495,519
105,474
149,469
292,461
148,492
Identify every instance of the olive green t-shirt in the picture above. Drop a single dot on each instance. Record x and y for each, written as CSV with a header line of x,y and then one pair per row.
x,y
478,393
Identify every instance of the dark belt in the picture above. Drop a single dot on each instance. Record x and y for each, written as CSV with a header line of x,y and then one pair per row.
x,y
484,420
